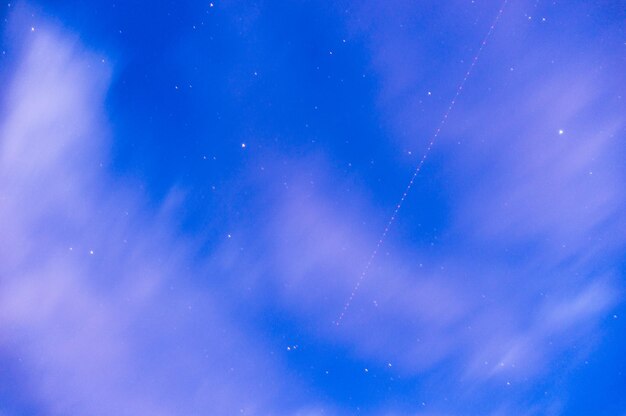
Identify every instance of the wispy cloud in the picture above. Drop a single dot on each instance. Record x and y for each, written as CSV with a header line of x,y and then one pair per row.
x,y
527,265
103,304
99,310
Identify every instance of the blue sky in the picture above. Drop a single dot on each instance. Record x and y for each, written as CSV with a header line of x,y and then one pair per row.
x,y
190,191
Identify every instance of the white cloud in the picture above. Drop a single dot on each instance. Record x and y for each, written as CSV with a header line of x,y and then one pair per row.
x,y
526,267
98,304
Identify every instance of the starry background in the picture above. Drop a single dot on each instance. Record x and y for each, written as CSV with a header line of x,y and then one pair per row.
x,y
190,190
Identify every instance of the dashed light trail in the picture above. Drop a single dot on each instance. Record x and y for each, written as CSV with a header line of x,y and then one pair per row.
x,y
431,142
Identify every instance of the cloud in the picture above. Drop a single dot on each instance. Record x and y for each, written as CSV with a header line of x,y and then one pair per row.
x,y
527,265
415,310
100,307
104,307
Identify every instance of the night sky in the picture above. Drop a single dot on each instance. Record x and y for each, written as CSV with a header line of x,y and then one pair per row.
x,y
307,208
